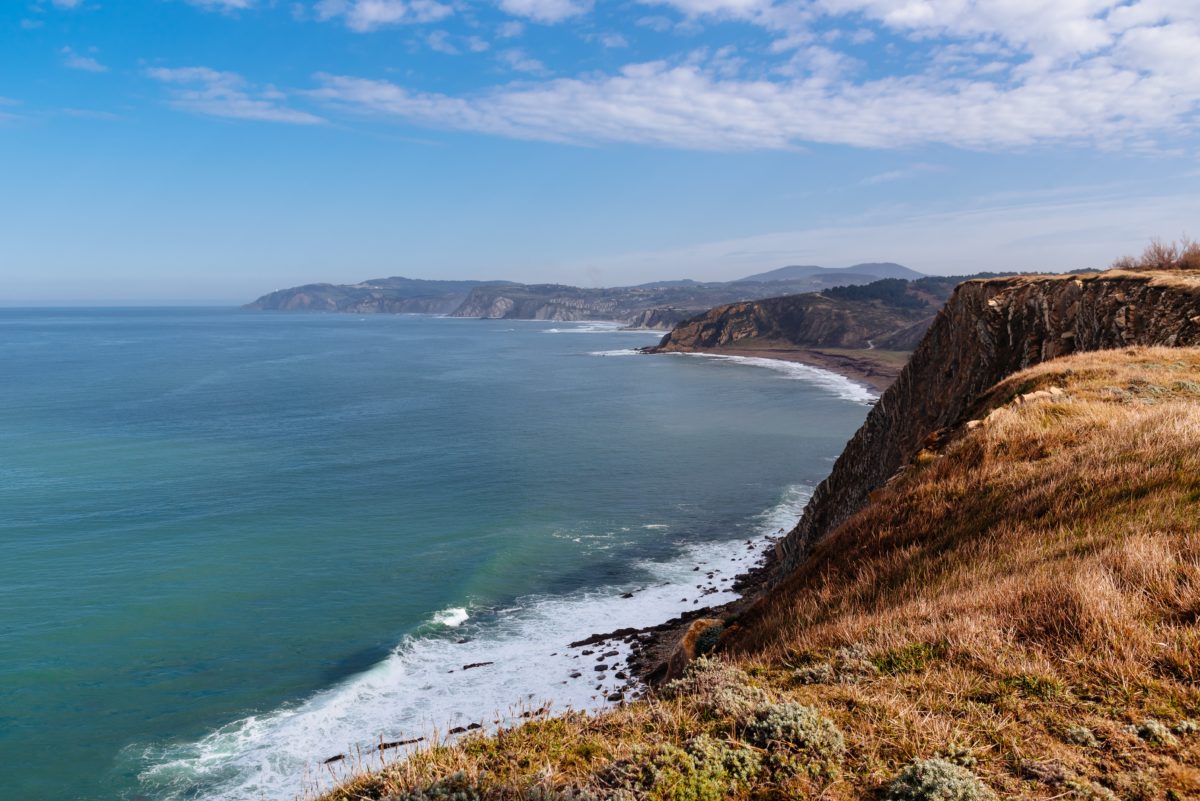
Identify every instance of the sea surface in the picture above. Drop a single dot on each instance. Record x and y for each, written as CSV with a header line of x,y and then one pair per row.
x,y
235,544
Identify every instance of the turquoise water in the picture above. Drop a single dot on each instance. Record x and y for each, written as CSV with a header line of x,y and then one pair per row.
x,y
235,544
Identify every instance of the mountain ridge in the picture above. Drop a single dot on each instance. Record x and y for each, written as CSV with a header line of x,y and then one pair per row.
x,y
658,304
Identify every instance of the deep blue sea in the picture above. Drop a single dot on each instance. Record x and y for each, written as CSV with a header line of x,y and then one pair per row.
x,y
234,544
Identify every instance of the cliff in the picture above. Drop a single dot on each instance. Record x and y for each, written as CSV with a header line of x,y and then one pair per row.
x,y
996,594
815,321
863,331
1016,615
988,330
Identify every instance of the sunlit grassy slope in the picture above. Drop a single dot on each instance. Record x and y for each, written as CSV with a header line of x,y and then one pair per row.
x,y
1015,614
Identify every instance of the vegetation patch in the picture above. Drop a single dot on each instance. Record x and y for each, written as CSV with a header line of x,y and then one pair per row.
x,y
937,780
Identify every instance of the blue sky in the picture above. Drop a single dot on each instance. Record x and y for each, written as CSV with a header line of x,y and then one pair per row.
x,y
203,151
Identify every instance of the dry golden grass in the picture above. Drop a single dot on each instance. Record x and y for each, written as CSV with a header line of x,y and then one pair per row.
x,y
1019,599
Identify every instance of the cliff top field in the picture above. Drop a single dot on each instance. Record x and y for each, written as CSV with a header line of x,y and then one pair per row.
x,y
1014,613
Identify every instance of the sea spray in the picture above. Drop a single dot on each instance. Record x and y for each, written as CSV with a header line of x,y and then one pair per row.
x,y
519,658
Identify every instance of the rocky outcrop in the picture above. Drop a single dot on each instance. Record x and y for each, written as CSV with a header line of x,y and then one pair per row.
x,y
812,321
988,330
661,319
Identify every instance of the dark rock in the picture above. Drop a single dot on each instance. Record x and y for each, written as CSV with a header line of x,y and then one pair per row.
x,y
477,664
398,743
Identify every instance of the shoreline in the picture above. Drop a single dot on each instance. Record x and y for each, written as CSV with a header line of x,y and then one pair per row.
x,y
653,647
877,373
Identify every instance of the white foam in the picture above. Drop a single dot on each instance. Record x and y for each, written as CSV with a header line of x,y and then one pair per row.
x,y
422,684
600,327
453,617
621,352
843,387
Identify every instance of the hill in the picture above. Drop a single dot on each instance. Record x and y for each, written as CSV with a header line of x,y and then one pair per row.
x,y
379,296
996,593
872,270
865,331
658,304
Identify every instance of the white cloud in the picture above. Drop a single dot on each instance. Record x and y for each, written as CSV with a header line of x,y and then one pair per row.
x,y
367,15
510,29
223,5
439,41
516,59
987,74
67,3
226,94
77,61
547,11
613,40
693,106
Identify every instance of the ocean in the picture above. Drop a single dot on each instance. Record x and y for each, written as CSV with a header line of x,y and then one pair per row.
x,y
234,545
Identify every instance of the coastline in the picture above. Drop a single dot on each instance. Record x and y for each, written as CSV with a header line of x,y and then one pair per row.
x,y
874,369
653,647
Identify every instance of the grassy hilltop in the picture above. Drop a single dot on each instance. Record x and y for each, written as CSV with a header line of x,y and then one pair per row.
x,y
1015,613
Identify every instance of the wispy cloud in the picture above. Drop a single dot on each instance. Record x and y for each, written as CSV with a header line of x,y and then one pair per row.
x,y
223,5
367,15
546,11
901,174
510,29
201,90
78,61
698,106
519,60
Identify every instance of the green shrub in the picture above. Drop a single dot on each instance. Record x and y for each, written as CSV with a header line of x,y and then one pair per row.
x,y
1082,735
666,773
452,788
796,728
1153,732
849,665
1083,790
1186,727
820,673
559,794
734,762
909,658
708,639
937,780
716,688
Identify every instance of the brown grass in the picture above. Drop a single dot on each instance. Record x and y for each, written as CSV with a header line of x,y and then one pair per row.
x,y
1035,577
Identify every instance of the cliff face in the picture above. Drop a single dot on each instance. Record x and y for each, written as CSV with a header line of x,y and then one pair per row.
x,y
813,321
988,330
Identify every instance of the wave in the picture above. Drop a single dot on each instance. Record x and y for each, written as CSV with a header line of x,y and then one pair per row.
x,y
600,327
516,656
453,617
621,352
843,387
